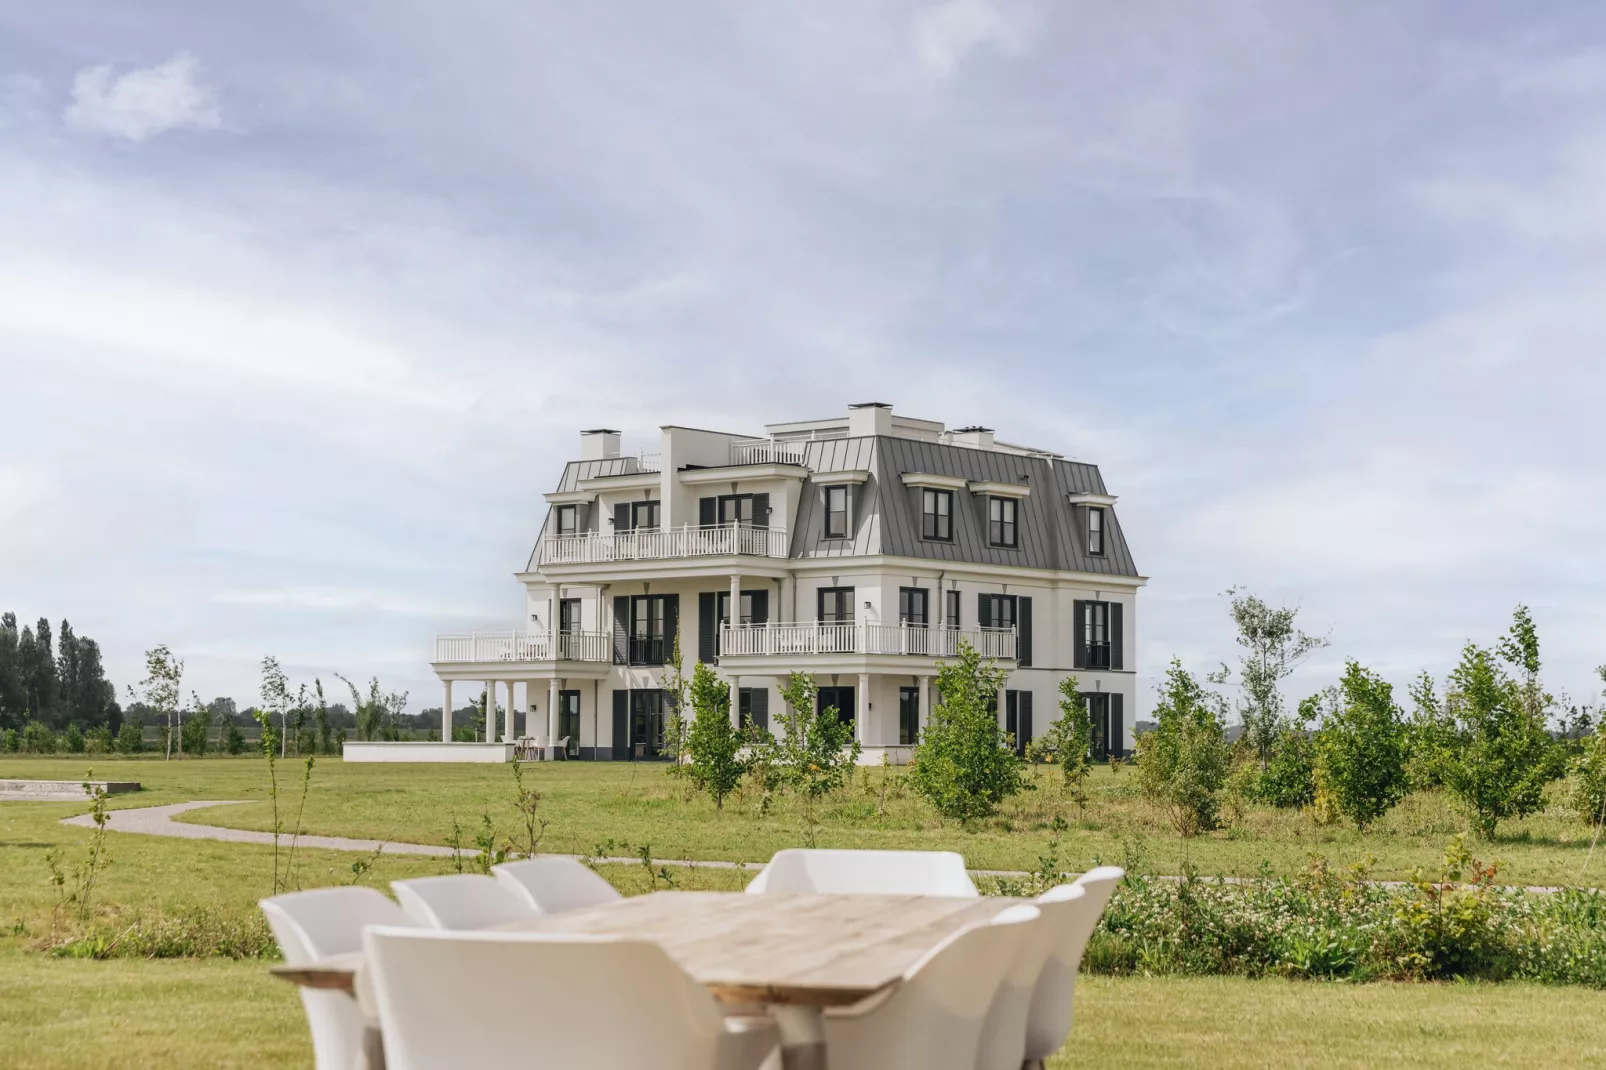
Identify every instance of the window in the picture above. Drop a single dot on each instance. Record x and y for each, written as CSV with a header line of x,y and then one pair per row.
x,y
736,509
568,519
836,605
568,722
647,631
568,615
842,700
754,608
753,707
1001,521
908,716
1095,531
836,512
644,515
912,607
950,613
1096,634
937,514
997,611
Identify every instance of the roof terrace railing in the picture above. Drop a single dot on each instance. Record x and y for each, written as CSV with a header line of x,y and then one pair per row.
x,y
657,544
825,637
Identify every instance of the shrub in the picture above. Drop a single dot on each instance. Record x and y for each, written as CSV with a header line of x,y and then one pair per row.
x,y
1068,743
711,742
1589,779
99,740
130,739
1361,751
965,765
233,739
195,731
1183,762
37,738
1289,780
73,739
202,933
10,741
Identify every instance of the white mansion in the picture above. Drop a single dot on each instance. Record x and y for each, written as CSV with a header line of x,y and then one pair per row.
x,y
861,549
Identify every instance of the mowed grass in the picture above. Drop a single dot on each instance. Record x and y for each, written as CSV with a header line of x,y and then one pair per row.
x,y
589,804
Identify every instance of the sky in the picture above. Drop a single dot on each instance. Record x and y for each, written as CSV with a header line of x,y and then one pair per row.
x,y
302,305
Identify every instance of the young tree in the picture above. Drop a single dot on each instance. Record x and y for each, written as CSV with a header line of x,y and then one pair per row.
x,y
965,764
677,695
1430,735
194,736
1361,750
1274,648
713,745
1068,743
1289,780
161,689
1501,755
1183,762
321,718
813,756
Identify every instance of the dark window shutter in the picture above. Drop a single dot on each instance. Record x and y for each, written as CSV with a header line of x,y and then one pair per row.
x,y
707,626
621,726
761,606
1023,622
621,517
671,624
761,510
1117,731
759,708
707,512
984,611
1012,713
1025,719
621,629
1115,635
1078,634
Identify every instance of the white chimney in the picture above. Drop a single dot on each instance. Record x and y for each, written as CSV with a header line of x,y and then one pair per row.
x,y
869,418
598,444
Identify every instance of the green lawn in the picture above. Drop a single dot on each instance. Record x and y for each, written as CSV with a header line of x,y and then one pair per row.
x,y
588,804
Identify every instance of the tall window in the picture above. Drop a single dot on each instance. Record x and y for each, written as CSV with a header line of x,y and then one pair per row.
x,y
908,715
647,641
836,512
736,509
568,615
1096,627
568,519
644,515
1095,531
1001,521
836,605
937,515
998,611
746,610
950,609
912,607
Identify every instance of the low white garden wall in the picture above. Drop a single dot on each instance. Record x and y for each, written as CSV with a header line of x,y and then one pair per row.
x,y
427,752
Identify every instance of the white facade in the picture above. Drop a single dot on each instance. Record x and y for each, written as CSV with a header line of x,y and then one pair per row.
x,y
862,550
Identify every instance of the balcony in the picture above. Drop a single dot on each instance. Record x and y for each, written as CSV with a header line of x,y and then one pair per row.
x,y
654,544
482,647
767,452
814,638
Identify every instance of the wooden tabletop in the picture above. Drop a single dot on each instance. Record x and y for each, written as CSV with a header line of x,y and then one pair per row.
x,y
809,950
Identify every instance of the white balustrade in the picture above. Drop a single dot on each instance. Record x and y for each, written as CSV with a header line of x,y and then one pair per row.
x,y
657,544
936,641
767,452
515,646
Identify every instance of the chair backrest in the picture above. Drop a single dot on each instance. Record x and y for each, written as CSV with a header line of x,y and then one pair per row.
x,y
883,872
551,885
316,924
506,1000
1003,1036
461,901
1048,1024
935,1017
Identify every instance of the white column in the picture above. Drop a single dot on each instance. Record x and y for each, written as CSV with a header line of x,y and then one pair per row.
x,y
864,709
552,620
446,714
490,711
552,711
1001,707
507,718
925,702
735,711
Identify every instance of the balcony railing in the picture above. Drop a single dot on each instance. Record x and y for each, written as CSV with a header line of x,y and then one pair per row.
x,y
767,452
654,544
514,646
936,641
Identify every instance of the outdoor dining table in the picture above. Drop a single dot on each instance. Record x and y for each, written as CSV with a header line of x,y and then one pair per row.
x,y
798,954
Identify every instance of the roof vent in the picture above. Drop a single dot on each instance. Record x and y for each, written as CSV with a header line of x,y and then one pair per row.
x,y
871,405
976,437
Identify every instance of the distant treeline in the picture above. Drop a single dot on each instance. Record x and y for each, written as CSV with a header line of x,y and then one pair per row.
x,y
56,681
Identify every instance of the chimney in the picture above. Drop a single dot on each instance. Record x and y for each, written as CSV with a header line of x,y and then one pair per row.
x,y
979,438
869,418
598,444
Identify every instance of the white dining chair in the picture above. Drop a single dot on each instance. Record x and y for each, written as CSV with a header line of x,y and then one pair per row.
x,y
461,901
883,872
1048,1023
551,885
933,1020
1003,1035
314,925
499,1001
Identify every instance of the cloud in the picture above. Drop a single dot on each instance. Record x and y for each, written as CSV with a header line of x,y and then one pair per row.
x,y
944,35
144,102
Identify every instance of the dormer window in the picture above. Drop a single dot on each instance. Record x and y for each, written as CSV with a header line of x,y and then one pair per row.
x,y
937,515
1001,527
568,519
836,512
1095,531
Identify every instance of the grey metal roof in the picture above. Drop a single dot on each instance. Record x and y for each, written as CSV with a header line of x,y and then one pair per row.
x,y
1051,532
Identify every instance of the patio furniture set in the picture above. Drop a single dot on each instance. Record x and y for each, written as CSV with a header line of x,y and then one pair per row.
x,y
852,959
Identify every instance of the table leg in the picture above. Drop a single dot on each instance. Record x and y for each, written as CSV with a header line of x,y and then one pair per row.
x,y
802,1037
